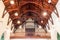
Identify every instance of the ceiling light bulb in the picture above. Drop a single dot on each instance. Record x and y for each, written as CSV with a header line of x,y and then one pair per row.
x,y
20,27
45,14
18,22
16,14
49,1
40,26
41,21
11,2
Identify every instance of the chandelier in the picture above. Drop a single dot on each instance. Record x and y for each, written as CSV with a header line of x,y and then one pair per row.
x,y
21,10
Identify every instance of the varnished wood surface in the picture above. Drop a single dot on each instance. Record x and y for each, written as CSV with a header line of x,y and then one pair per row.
x,y
42,35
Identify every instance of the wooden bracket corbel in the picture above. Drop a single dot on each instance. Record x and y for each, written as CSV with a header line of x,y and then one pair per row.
x,y
12,26
48,26
4,13
56,12
44,27
51,20
8,21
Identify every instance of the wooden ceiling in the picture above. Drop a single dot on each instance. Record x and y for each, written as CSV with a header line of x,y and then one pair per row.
x,y
21,10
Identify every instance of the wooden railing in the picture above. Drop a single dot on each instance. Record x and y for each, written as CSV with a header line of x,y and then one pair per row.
x,y
34,35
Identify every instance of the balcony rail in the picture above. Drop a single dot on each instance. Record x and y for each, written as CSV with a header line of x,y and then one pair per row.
x,y
30,35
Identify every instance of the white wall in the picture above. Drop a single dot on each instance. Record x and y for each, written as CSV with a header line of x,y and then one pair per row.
x,y
4,20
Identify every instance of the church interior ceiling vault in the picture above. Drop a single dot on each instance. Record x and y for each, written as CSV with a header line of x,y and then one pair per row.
x,y
38,10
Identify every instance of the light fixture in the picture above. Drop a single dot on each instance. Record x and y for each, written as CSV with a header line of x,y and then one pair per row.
x,y
18,22
20,26
42,21
44,14
16,14
12,2
40,26
49,1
